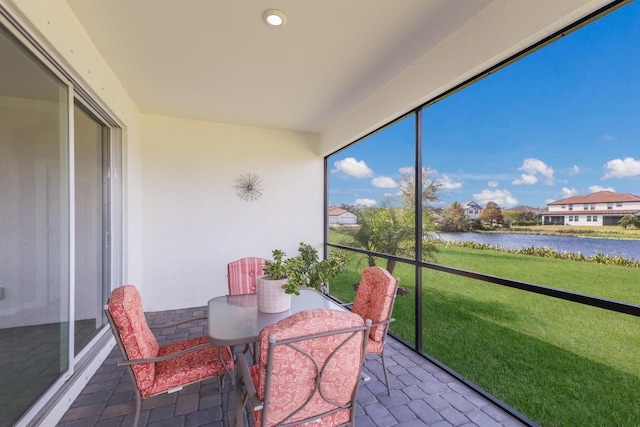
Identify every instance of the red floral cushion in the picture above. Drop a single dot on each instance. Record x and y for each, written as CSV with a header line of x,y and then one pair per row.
x,y
374,299
190,368
374,347
125,307
294,375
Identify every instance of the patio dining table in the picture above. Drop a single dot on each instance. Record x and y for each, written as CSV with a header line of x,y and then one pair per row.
x,y
235,320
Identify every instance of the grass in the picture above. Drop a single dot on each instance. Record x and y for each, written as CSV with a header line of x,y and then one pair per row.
x,y
558,363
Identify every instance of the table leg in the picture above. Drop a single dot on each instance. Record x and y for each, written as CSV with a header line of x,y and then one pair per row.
x,y
239,400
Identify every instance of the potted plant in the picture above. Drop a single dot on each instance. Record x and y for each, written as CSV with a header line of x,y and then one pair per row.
x,y
284,277
271,297
307,270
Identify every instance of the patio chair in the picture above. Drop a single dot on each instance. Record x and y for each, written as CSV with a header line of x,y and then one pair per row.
x,y
159,369
242,277
308,370
374,300
243,273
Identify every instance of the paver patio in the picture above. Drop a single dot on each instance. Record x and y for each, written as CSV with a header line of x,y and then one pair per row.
x,y
422,393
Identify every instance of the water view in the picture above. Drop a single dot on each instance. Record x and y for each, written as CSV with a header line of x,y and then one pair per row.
x,y
588,246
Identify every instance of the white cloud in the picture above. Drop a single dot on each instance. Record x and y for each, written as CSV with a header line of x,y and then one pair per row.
x,y
492,184
525,179
596,188
532,168
502,198
352,167
407,170
608,137
618,168
365,202
384,182
575,170
568,192
447,183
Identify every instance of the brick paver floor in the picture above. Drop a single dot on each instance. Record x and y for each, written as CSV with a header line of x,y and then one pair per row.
x,y
422,393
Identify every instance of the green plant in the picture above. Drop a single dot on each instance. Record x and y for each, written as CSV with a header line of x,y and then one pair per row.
x,y
306,269
276,268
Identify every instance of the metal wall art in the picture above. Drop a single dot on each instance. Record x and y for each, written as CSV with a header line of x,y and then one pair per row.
x,y
249,187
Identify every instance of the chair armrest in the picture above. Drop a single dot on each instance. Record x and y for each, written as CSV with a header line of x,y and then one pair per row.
x,y
166,356
170,325
384,322
250,388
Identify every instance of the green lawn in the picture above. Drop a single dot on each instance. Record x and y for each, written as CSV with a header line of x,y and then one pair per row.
x,y
558,363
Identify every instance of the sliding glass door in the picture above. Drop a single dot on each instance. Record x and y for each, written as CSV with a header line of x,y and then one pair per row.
x,y
34,229
60,226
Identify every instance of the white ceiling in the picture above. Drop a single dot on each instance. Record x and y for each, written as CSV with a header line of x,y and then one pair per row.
x,y
216,59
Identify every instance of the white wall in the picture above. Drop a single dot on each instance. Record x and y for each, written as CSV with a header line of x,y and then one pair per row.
x,y
510,25
193,222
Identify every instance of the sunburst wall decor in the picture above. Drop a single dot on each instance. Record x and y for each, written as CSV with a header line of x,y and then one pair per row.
x,y
249,187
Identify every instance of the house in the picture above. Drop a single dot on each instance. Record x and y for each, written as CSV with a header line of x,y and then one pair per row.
x,y
341,216
596,209
126,126
472,209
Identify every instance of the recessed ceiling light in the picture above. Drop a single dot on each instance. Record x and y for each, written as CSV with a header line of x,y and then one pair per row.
x,y
274,17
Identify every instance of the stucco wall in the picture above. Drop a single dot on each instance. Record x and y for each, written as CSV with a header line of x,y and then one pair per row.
x,y
193,222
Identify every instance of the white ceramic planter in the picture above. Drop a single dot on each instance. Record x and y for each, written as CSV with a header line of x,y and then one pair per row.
x,y
271,296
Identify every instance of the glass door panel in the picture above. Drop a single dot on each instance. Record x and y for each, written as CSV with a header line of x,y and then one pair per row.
x,y
34,229
91,219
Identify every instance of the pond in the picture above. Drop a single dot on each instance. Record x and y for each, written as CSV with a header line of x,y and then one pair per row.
x,y
588,246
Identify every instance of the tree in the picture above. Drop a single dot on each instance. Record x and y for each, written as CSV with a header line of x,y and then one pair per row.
x,y
390,229
408,189
491,213
385,230
511,216
454,218
629,221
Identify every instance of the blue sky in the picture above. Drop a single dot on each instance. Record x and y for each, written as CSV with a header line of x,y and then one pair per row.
x,y
560,122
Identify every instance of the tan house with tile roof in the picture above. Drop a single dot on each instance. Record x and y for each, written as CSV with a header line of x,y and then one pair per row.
x,y
341,216
596,209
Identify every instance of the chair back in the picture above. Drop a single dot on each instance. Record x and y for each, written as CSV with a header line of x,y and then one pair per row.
x,y
374,300
243,274
130,328
309,368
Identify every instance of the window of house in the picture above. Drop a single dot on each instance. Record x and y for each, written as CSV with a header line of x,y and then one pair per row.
x,y
588,218
609,205
570,207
